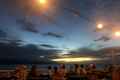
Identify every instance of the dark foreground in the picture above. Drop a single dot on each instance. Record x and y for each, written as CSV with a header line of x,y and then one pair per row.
x,y
78,72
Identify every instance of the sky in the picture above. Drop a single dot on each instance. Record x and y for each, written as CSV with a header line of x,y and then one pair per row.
x,y
65,24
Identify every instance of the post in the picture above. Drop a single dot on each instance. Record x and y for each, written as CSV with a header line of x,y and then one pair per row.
x,y
113,57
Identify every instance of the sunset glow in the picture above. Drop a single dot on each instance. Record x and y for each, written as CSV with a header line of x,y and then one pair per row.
x,y
80,59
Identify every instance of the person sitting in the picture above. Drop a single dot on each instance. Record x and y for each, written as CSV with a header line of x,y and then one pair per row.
x,y
76,67
82,70
33,73
62,70
50,71
57,75
92,74
21,72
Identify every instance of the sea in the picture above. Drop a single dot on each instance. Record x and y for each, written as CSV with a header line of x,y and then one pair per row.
x,y
43,66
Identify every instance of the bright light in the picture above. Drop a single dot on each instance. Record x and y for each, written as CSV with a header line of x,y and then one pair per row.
x,y
45,7
42,5
82,59
64,52
117,34
42,1
100,26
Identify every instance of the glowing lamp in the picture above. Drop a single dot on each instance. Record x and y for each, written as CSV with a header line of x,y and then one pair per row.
x,y
100,26
117,34
42,1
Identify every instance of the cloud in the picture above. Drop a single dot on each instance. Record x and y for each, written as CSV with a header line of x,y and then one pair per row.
x,y
27,25
31,53
12,42
84,52
47,46
11,53
103,38
109,50
53,34
103,52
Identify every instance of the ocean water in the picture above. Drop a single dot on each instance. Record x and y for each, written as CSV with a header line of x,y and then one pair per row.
x,y
43,66
39,66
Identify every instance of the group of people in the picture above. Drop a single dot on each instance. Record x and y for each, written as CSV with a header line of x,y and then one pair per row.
x,y
61,72
75,72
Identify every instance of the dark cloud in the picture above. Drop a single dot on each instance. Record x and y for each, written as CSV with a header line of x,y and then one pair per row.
x,y
110,50
47,46
77,13
12,42
74,11
84,10
52,34
15,42
27,25
103,38
84,52
103,52
24,54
